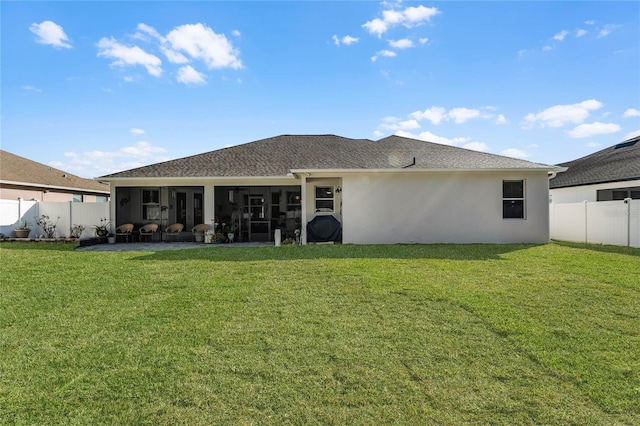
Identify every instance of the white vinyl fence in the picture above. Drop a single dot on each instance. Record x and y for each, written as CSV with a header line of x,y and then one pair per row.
x,y
67,214
603,222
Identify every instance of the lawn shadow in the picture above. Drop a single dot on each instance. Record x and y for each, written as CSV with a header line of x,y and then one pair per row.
x,y
340,251
603,248
39,245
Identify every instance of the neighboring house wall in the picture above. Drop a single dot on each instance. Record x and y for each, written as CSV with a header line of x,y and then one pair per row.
x,y
441,207
44,195
576,194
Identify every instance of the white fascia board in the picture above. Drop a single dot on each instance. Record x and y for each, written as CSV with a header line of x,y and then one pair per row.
x,y
413,170
45,186
196,178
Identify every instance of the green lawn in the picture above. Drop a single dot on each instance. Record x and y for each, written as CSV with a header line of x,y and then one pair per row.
x,y
436,334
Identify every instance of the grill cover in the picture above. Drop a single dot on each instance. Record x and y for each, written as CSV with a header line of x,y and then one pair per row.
x,y
324,228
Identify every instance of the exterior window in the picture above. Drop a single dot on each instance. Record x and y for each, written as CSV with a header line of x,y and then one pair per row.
x,y
151,204
78,198
620,195
324,199
101,198
513,199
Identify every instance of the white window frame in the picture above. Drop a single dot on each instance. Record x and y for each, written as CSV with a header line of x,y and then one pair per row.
x,y
324,210
523,199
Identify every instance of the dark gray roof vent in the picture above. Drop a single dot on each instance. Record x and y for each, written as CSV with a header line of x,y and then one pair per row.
x,y
626,144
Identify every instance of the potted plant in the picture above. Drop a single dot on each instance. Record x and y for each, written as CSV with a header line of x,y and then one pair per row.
x,y
218,237
231,232
22,230
104,229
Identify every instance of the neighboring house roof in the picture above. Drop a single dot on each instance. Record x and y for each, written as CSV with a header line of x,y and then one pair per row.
x,y
617,163
278,156
20,171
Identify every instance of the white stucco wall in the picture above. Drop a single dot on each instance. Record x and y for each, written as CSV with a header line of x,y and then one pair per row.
x,y
441,207
577,194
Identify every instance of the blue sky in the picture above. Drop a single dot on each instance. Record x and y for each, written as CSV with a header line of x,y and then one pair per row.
x,y
97,87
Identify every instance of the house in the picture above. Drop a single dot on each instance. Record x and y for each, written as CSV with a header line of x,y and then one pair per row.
x,y
610,174
29,180
332,188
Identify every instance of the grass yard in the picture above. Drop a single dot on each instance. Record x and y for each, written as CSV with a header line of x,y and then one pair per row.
x,y
434,334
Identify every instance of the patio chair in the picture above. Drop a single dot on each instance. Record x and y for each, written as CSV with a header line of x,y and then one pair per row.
x,y
125,230
148,230
199,230
174,230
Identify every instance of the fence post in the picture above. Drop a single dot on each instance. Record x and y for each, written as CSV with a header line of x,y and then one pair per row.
x,y
627,201
70,217
586,224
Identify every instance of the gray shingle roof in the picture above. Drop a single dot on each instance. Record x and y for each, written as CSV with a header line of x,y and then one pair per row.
x,y
14,168
617,163
278,155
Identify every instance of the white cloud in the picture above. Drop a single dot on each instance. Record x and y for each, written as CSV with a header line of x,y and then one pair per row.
x,y
144,30
124,55
632,134
559,115
417,15
561,35
631,112
49,32
547,48
385,53
580,32
460,115
533,145
463,142
173,56
434,114
409,17
141,149
392,123
236,33
597,128
514,152
401,44
376,26
188,75
606,30
147,29
135,131
98,163
590,22
501,119
437,114
377,133
424,40
201,42
476,146
348,40
31,89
